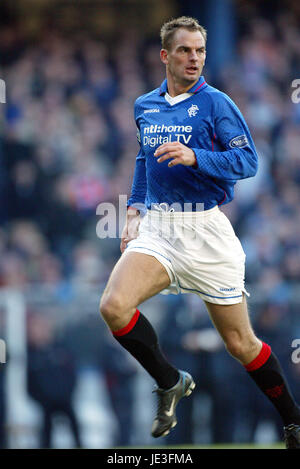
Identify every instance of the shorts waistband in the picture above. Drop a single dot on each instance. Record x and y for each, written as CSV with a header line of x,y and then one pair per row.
x,y
168,214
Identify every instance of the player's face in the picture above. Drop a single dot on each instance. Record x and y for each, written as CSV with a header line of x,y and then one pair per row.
x,y
186,57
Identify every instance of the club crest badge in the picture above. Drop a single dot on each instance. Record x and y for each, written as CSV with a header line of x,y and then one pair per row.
x,y
193,110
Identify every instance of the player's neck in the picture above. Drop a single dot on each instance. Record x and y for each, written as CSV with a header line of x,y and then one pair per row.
x,y
175,88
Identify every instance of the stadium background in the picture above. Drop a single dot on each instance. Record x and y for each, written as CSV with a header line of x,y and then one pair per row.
x,y
67,143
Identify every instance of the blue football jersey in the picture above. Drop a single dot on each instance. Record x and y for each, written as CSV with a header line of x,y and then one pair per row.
x,y
208,122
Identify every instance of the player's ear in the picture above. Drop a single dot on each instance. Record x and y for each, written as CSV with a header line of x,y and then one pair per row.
x,y
164,56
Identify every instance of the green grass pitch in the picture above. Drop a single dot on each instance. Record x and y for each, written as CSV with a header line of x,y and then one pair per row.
x,y
214,447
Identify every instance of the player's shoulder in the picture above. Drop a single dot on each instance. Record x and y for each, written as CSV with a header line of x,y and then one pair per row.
x,y
219,99
146,97
148,102
221,103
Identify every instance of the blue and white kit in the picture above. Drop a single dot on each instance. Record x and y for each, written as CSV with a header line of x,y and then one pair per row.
x,y
207,121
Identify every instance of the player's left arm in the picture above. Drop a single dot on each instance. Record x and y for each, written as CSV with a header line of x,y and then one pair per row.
x,y
238,160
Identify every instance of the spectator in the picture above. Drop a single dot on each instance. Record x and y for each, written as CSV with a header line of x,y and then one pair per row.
x,y
51,378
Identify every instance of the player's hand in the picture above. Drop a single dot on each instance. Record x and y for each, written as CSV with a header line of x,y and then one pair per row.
x,y
179,154
130,230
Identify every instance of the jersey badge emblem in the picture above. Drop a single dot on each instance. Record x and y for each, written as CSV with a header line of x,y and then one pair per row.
x,y
193,110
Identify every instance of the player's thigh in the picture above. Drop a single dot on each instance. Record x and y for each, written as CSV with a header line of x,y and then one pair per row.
x,y
135,278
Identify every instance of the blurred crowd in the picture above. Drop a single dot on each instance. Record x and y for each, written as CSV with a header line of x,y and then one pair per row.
x,y
68,143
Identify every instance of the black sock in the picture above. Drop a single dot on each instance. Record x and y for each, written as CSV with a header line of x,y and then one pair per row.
x,y
140,340
266,371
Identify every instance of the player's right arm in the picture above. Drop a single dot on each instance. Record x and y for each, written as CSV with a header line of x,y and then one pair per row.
x,y
136,202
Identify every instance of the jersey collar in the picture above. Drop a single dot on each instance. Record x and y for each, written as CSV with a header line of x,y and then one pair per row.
x,y
200,85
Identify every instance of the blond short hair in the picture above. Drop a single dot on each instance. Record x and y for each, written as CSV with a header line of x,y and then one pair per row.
x,y
169,28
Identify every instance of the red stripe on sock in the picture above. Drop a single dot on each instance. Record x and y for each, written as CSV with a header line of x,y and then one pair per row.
x,y
261,358
129,326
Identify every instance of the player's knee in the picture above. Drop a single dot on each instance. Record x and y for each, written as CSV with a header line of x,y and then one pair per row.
x,y
240,347
110,308
234,348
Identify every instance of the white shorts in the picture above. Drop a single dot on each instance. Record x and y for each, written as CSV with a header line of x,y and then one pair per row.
x,y
199,250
